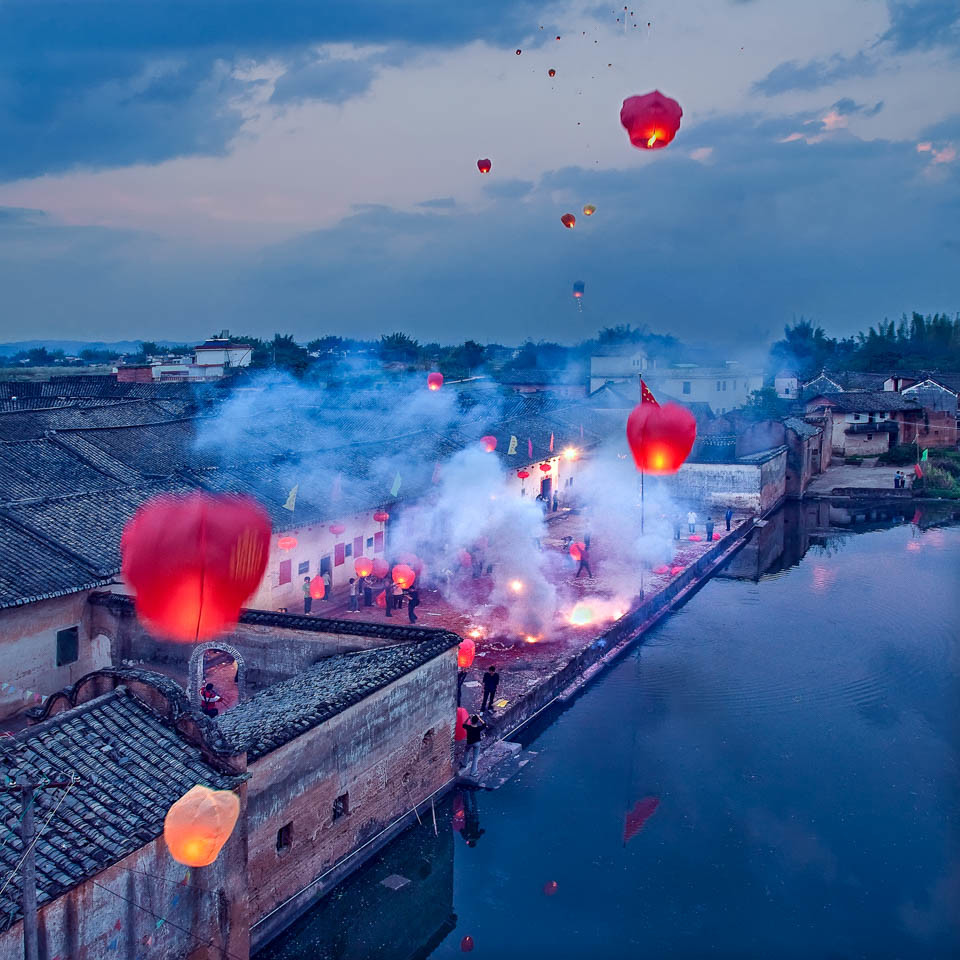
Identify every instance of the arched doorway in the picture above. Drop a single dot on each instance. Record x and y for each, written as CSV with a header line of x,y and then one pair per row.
x,y
222,665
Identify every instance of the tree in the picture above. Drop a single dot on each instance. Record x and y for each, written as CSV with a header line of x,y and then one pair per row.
x,y
469,354
805,349
398,348
328,344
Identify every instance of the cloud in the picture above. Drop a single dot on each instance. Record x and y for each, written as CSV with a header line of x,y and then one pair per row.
x,y
438,203
509,189
701,154
923,25
814,74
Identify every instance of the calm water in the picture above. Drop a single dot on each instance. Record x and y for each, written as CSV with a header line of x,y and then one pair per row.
x,y
788,746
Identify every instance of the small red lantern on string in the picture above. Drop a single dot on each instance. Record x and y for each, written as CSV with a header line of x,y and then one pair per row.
x,y
317,587
380,567
198,825
404,575
484,165
381,516
523,474
652,120
434,381
568,220
194,561
465,654
337,528
287,543
660,437
363,566
545,467
489,443
458,731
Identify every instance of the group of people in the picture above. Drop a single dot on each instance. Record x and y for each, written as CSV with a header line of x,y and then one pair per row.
x,y
708,525
899,480
364,587
546,503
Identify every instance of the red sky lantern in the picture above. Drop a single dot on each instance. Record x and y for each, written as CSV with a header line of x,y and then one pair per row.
x,y
466,560
568,220
381,516
576,549
194,561
434,381
550,888
545,467
287,543
381,599
404,575
466,944
660,437
380,567
551,72
652,120
337,528
198,825
465,654
317,587
458,732
523,474
484,165
363,566
489,443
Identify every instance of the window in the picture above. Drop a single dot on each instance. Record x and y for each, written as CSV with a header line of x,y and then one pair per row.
x,y
338,554
284,837
369,542
68,644
426,745
303,567
348,550
285,575
724,384
341,806
856,416
718,386
686,386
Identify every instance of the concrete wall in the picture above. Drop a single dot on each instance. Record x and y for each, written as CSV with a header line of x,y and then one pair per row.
x,y
723,389
28,649
386,753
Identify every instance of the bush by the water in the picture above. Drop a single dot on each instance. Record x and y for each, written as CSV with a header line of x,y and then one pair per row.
x,y
900,455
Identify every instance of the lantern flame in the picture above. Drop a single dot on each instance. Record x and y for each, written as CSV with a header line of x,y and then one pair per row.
x,y
530,639
476,633
516,586
653,139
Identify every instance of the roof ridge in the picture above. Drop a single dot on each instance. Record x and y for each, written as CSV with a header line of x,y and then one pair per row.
x,y
57,547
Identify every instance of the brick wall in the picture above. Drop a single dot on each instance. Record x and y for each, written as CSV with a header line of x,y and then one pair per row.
x,y
746,486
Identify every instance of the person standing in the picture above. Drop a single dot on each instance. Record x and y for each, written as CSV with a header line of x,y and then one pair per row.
x,y
397,592
728,516
474,727
413,601
209,698
354,595
709,528
367,592
556,502
491,680
307,599
327,584
676,527
584,561
692,521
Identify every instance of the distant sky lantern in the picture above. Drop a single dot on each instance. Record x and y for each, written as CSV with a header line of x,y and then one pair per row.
x,y
198,825
568,220
337,528
489,443
194,561
380,567
652,120
589,209
459,733
381,516
660,437
434,381
404,575
545,467
287,543
465,654
523,474
578,287
551,72
363,566
484,165
317,587
466,944
466,561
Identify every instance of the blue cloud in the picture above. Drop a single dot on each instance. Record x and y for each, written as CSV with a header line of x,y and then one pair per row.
x,y
923,24
438,203
814,74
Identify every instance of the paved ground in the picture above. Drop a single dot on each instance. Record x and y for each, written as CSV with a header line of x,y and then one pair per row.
x,y
868,475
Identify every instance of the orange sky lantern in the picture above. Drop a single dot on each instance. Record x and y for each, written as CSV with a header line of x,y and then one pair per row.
x,y
651,120
363,566
194,561
589,209
660,437
381,516
551,72
317,587
404,575
337,528
459,733
484,165
198,825
287,543
381,599
380,567
489,443
465,654
576,549
568,220
434,381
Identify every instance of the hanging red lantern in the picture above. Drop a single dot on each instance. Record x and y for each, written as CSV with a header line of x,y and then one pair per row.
x,y
198,825
652,120
489,443
523,474
363,566
381,516
337,528
317,587
484,165
434,381
660,437
458,731
194,561
576,549
287,543
568,220
404,575
465,654
545,467
380,567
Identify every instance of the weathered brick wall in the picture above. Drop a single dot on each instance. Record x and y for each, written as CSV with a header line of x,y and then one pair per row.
x,y
746,486
773,480
387,752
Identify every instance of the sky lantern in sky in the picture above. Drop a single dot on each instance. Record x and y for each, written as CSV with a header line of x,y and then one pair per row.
x,y
380,567
404,575
317,587
589,209
660,438
194,561
434,381
652,120
465,654
363,566
551,72
489,443
568,220
198,825
484,165
578,287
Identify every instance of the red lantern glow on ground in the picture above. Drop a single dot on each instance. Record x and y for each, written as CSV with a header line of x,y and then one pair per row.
x,y
194,561
380,567
317,587
717,536
651,120
458,732
489,443
465,654
404,576
660,437
434,381
663,568
568,220
287,543
381,516
675,570
363,566
696,537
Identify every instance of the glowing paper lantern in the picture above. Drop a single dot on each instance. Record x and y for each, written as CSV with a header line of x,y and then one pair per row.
x,y
652,120
404,575
551,72
717,536
589,210
568,220
489,443
550,888
287,543
337,528
194,561
576,549
317,587
696,537
545,467
484,165
578,288
198,825
465,654
458,732
466,944
523,474
363,566
434,381
380,567
465,559
660,437
381,516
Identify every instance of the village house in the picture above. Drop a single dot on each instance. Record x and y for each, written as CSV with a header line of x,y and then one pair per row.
x,y
787,385
865,423
617,366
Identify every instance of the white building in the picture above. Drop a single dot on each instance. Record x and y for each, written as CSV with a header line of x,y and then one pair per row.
x,y
617,367
723,388
220,352
787,385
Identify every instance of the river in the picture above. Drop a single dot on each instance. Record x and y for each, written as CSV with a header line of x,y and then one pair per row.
x,y
772,773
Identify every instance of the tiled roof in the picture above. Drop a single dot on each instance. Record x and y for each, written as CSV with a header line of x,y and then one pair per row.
x,y
857,401
287,709
545,378
134,766
801,427
30,469
24,425
77,442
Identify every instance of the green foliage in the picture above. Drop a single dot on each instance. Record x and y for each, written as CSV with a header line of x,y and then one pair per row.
x,y
937,482
900,455
764,404
398,348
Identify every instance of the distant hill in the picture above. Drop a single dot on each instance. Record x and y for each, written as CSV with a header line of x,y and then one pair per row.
x,y
73,347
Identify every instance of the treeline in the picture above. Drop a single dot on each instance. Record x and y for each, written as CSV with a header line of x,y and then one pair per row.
x,y
917,342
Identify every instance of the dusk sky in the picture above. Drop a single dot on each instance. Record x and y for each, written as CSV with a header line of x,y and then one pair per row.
x,y
169,168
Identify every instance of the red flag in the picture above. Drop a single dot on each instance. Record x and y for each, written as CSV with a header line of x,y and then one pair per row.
x,y
918,471
645,395
917,517
551,443
530,449
638,816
